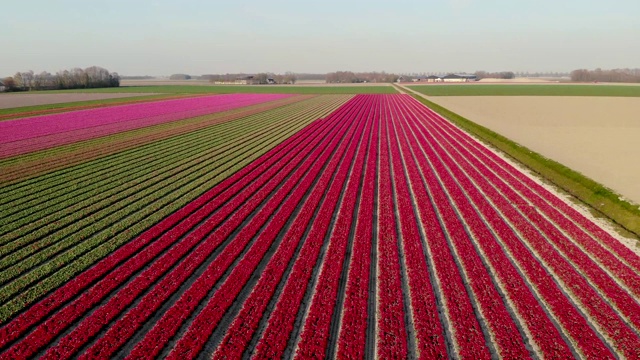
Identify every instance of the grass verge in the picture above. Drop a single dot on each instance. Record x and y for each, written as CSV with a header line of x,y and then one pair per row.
x,y
600,198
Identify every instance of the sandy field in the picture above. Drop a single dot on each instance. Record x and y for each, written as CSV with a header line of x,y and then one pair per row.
x,y
25,99
597,136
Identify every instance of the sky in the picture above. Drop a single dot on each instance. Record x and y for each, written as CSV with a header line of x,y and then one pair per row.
x,y
162,37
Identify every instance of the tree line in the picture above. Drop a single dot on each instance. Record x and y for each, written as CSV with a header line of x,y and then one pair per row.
x,y
76,78
361,77
495,75
613,75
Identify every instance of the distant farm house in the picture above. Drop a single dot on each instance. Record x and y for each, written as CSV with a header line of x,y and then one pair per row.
x,y
459,78
2,88
433,78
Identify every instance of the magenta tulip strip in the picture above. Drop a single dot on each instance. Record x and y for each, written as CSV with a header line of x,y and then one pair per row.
x,y
378,231
26,135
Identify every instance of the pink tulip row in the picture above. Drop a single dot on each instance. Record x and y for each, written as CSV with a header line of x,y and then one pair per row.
x,y
171,229
36,133
530,226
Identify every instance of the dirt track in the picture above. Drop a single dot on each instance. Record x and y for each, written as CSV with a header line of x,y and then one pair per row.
x,y
595,136
25,99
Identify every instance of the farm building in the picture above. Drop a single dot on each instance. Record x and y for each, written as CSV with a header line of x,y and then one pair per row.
x,y
2,88
459,78
433,78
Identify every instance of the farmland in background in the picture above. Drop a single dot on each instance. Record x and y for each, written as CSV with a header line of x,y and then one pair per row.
x,y
316,226
254,89
472,89
603,201
14,107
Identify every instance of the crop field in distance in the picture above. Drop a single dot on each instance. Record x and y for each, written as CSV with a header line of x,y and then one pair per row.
x,y
295,222
527,90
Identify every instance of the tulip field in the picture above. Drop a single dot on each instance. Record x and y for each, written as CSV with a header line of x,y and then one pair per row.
x,y
294,226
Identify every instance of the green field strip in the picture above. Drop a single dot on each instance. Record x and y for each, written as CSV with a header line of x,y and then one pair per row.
x,y
105,241
250,89
23,189
97,188
108,167
603,200
54,152
83,226
527,90
126,188
102,199
120,227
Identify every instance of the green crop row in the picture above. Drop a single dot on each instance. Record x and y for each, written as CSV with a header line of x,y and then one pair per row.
x,y
102,237
18,190
54,153
103,174
107,188
99,200
128,190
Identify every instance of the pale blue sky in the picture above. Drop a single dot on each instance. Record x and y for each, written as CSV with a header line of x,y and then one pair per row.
x,y
196,37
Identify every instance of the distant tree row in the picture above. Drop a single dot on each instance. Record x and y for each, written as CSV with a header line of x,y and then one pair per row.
x,y
180,77
91,77
351,77
614,75
495,75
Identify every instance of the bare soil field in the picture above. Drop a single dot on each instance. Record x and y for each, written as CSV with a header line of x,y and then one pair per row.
x,y
596,136
25,99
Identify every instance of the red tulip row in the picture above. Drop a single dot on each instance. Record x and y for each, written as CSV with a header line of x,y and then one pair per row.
x,y
273,341
249,200
516,289
466,331
211,200
190,344
429,333
314,335
530,224
452,208
566,220
391,339
453,253
352,334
